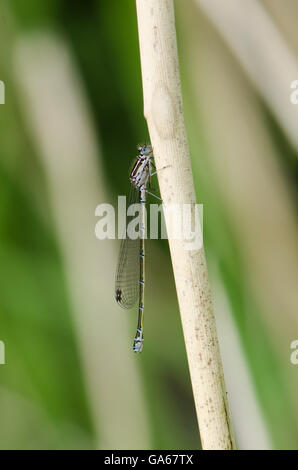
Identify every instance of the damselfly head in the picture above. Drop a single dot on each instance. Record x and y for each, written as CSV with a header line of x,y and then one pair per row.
x,y
144,150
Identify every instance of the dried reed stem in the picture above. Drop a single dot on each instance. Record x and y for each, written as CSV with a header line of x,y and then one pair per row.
x,y
164,113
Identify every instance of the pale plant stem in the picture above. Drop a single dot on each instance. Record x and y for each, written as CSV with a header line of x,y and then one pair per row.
x,y
164,114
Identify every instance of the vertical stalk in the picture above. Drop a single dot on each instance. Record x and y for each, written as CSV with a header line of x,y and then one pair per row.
x,y
163,111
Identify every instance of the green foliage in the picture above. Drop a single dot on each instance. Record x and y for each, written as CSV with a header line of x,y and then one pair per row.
x,y
44,379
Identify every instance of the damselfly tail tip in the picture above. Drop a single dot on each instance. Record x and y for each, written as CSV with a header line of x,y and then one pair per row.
x,y
138,346
138,342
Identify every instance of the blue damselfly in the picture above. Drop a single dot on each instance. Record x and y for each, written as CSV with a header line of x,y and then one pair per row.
x,y
130,274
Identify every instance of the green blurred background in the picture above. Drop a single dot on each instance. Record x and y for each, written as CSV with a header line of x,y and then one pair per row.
x,y
69,128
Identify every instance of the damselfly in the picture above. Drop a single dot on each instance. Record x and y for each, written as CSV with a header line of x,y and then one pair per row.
x,y
130,275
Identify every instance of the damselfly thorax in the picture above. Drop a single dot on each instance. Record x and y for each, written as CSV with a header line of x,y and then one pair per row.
x,y
142,168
